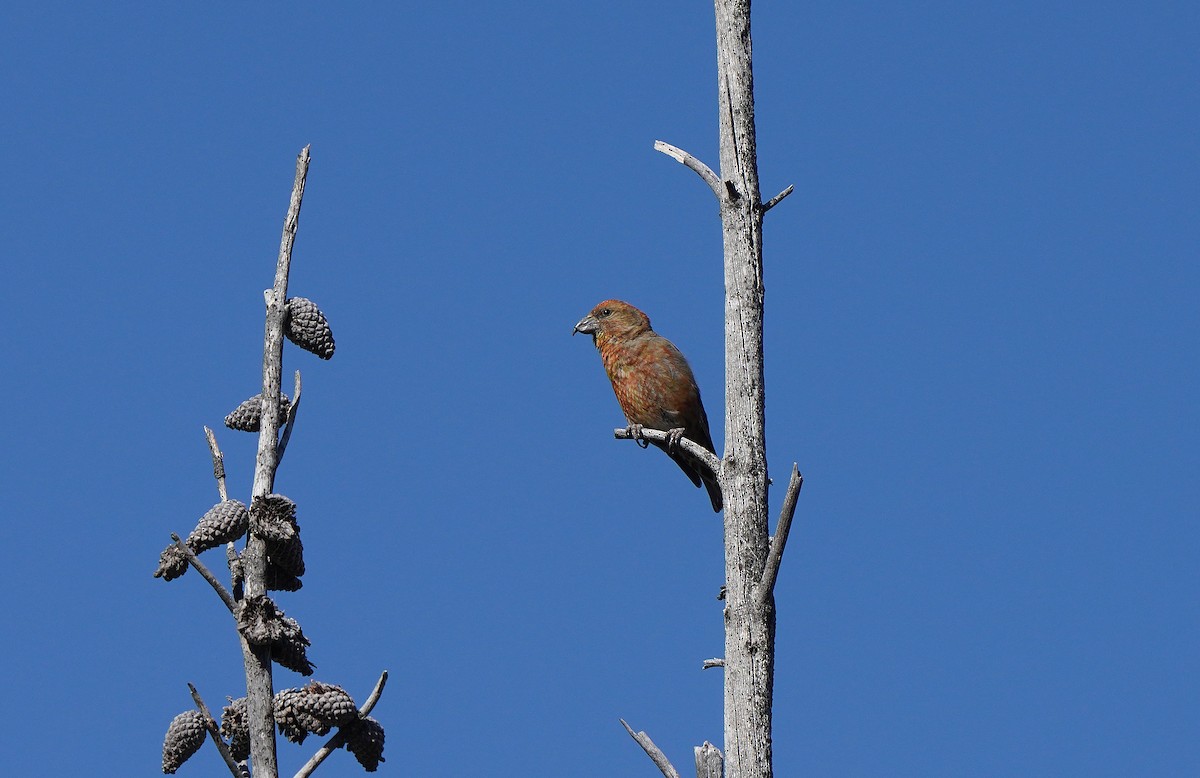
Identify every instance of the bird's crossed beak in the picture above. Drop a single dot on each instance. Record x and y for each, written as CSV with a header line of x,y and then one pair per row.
x,y
587,325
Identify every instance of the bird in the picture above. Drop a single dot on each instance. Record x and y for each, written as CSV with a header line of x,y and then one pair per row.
x,y
654,384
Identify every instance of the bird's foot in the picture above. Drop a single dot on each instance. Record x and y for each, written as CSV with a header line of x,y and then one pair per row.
x,y
673,437
635,431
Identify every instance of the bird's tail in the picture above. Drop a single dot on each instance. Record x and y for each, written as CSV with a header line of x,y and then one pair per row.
x,y
699,477
714,492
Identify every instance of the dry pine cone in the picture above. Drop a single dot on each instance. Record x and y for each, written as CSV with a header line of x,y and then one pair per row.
x,y
246,417
235,729
225,522
328,704
273,518
184,738
365,740
171,563
306,326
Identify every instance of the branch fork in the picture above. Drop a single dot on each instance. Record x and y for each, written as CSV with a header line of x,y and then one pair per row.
x,y
766,586
723,190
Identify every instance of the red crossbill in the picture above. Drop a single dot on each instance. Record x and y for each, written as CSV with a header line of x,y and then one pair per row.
x,y
653,383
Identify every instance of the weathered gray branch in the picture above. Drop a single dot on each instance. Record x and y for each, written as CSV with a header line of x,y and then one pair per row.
x,y
207,574
211,725
701,169
290,420
774,201
695,451
654,752
218,460
339,737
709,763
767,586
709,664
257,659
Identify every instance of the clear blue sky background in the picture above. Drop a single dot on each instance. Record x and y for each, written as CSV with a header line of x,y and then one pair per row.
x,y
981,349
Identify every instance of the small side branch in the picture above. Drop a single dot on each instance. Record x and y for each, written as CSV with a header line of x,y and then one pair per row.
x,y
711,663
701,169
694,450
774,201
767,585
211,724
709,762
200,568
218,460
290,420
339,739
654,752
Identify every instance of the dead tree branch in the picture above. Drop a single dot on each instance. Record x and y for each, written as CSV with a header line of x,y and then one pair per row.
x,y
709,762
218,460
767,586
774,201
207,574
257,659
211,725
654,752
701,169
290,420
695,451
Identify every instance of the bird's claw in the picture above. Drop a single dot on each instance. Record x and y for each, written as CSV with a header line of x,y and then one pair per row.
x,y
673,437
635,431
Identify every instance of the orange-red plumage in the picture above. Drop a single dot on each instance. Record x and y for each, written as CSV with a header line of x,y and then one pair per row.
x,y
652,381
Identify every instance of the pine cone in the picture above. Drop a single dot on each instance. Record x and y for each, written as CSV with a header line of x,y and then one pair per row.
x,y
280,581
288,556
184,738
235,729
246,417
364,739
290,649
327,703
171,563
273,518
259,620
293,723
225,522
306,326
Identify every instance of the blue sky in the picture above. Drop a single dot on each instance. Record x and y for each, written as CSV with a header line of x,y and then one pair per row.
x,y
980,335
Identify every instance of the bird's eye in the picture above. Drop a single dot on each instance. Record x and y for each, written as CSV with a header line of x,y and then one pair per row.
x,y
606,311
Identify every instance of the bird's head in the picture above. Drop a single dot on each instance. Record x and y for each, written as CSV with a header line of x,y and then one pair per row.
x,y
613,319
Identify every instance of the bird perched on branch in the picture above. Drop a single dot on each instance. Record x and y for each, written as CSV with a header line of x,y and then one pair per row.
x,y
653,384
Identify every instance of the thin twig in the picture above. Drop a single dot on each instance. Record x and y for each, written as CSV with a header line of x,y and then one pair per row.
x,y
291,419
237,573
218,460
654,752
195,562
774,201
701,169
694,450
775,555
339,738
711,663
215,733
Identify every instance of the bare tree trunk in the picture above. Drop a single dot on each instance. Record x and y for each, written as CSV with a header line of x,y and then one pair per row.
x,y
257,659
749,618
752,556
